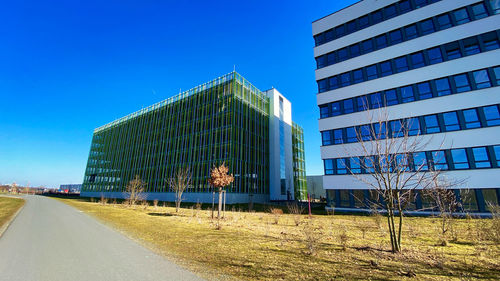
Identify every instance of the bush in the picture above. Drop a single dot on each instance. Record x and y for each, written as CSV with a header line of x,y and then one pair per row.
x,y
276,212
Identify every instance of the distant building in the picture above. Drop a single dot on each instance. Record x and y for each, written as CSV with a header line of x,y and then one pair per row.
x,y
434,66
315,187
70,188
226,120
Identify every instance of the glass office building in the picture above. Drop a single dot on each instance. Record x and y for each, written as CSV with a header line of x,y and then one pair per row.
x,y
434,67
226,120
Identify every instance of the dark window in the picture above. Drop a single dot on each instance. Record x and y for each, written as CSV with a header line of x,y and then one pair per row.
x,y
333,83
341,167
371,72
461,16
496,70
345,79
376,100
354,165
453,51
407,94
329,35
413,126
424,90
365,132
358,75
443,87
417,60
451,121
411,32
351,135
322,85
396,128
401,64
427,26
335,109
439,159
385,68
354,49
496,150
490,41
481,159
491,115
324,111
337,136
471,48
444,21
342,54
381,41
340,31
404,6
319,39
376,16
396,36
431,124
471,119
479,11
363,22
481,78
461,83
348,106
369,164
495,6
331,58
420,161
390,11
420,3
434,55
380,133
460,160
351,26
362,103
367,46
391,97
326,138
321,61
329,167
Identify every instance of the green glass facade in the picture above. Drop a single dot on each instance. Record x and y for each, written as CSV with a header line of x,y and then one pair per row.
x,y
299,163
224,120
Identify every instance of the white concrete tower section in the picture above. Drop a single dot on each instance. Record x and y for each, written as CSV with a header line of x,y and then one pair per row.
x,y
280,147
433,66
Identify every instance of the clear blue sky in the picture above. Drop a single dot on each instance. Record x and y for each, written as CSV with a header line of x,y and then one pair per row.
x,y
67,67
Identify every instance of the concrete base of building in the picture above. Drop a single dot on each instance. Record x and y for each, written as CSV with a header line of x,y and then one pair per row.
x,y
202,197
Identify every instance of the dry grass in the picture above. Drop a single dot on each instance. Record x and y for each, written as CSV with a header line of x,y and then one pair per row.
x,y
250,246
8,207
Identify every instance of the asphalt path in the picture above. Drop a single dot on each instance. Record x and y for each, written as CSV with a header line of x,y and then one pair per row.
x,y
52,241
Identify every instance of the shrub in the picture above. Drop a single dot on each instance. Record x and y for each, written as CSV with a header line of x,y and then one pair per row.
x,y
296,210
276,212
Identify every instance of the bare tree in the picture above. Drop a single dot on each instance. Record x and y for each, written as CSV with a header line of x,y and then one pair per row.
x,y
219,178
387,152
135,190
179,183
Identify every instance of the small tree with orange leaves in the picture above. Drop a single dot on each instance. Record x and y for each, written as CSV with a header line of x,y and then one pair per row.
x,y
219,178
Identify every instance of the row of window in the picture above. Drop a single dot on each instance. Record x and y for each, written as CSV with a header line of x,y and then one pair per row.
x,y
449,159
370,19
466,47
474,80
474,200
465,119
446,20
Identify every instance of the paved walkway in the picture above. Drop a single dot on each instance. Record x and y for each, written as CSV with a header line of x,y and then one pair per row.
x,y
50,240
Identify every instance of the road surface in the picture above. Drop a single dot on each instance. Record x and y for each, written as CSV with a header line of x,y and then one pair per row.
x,y
52,241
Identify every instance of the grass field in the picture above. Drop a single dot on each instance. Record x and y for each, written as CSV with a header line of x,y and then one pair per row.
x,y
265,246
8,207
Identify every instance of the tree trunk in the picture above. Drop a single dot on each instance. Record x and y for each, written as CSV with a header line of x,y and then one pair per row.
x,y
220,204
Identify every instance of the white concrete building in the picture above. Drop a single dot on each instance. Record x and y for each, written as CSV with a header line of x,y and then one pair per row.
x,y
434,66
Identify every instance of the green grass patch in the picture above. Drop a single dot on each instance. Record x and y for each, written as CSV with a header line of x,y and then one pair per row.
x,y
252,246
8,207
